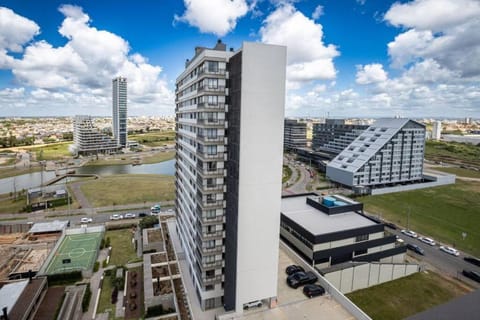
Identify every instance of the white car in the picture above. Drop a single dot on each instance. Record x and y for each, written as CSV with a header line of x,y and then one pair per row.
x,y
129,215
86,220
252,304
409,233
116,217
426,240
450,250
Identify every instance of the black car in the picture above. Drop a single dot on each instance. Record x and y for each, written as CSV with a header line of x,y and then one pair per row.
x,y
415,248
300,278
472,260
292,269
142,214
313,290
472,275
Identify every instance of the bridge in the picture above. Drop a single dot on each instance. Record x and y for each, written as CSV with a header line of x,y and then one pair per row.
x,y
63,176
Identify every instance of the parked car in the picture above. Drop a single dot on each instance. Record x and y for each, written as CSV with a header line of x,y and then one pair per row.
x,y
300,278
142,214
426,240
399,240
313,290
292,269
86,220
116,217
472,275
415,248
253,304
409,233
129,215
450,250
472,260
391,225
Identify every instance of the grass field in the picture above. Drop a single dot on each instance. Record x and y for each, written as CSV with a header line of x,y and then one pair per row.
x,y
122,248
127,158
81,249
105,301
452,152
441,212
459,172
126,189
8,205
407,296
54,151
155,138
8,172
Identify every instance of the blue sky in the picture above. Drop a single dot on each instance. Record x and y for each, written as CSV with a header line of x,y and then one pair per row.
x,y
347,58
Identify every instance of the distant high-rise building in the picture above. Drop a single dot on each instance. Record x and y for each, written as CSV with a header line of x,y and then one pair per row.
x,y
87,139
335,135
437,130
295,134
389,151
119,103
230,113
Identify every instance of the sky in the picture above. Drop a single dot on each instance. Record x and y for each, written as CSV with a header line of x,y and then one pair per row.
x,y
345,58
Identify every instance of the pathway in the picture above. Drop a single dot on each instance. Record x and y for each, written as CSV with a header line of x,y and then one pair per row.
x,y
79,195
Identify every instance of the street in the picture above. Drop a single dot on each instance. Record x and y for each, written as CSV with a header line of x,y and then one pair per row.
x,y
439,260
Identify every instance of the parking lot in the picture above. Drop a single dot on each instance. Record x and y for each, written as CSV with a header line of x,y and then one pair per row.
x,y
293,304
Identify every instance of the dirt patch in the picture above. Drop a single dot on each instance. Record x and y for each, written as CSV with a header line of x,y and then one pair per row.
x,y
154,235
160,272
50,303
158,258
134,295
164,287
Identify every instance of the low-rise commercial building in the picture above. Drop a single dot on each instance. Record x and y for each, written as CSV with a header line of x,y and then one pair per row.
x,y
330,230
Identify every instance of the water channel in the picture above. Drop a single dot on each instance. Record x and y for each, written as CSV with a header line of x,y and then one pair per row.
x,y
33,180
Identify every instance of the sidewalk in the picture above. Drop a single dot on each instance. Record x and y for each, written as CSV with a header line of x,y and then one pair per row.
x,y
94,284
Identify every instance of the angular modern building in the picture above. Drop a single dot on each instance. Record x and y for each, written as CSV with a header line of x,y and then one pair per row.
x,y
88,139
230,113
295,134
335,135
390,151
119,110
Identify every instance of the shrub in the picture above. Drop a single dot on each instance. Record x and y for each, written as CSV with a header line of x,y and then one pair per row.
x,y
114,295
64,278
107,242
104,263
86,298
96,266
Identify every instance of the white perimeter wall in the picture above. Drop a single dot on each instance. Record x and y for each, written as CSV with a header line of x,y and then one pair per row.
x,y
260,172
369,274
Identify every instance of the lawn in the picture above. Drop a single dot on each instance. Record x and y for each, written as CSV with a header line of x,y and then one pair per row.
x,y
154,139
452,152
407,296
54,151
9,172
122,248
443,213
287,173
459,171
105,301
127,189
127,159
8,205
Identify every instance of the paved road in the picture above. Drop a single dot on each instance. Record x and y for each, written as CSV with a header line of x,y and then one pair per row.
x,y
439,260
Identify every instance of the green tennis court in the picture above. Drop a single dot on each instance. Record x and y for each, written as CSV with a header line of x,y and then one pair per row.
x,y
76,252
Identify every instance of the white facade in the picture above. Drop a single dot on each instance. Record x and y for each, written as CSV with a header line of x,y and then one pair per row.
x,y
389,151
119,110
229,167
87,139
437,130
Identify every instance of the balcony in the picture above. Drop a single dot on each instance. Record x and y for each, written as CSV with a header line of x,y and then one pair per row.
x,y
214,279
207,89
207,156
210,139
211,121
209,172
209,187
209,204
215,72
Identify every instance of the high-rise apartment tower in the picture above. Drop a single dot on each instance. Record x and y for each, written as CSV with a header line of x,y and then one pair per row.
x,y
119,106
229,112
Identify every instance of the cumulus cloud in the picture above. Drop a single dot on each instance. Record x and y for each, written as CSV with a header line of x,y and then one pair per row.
x,y
447,31
318,12
308,57
79,73
370,73
213,16
15,32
